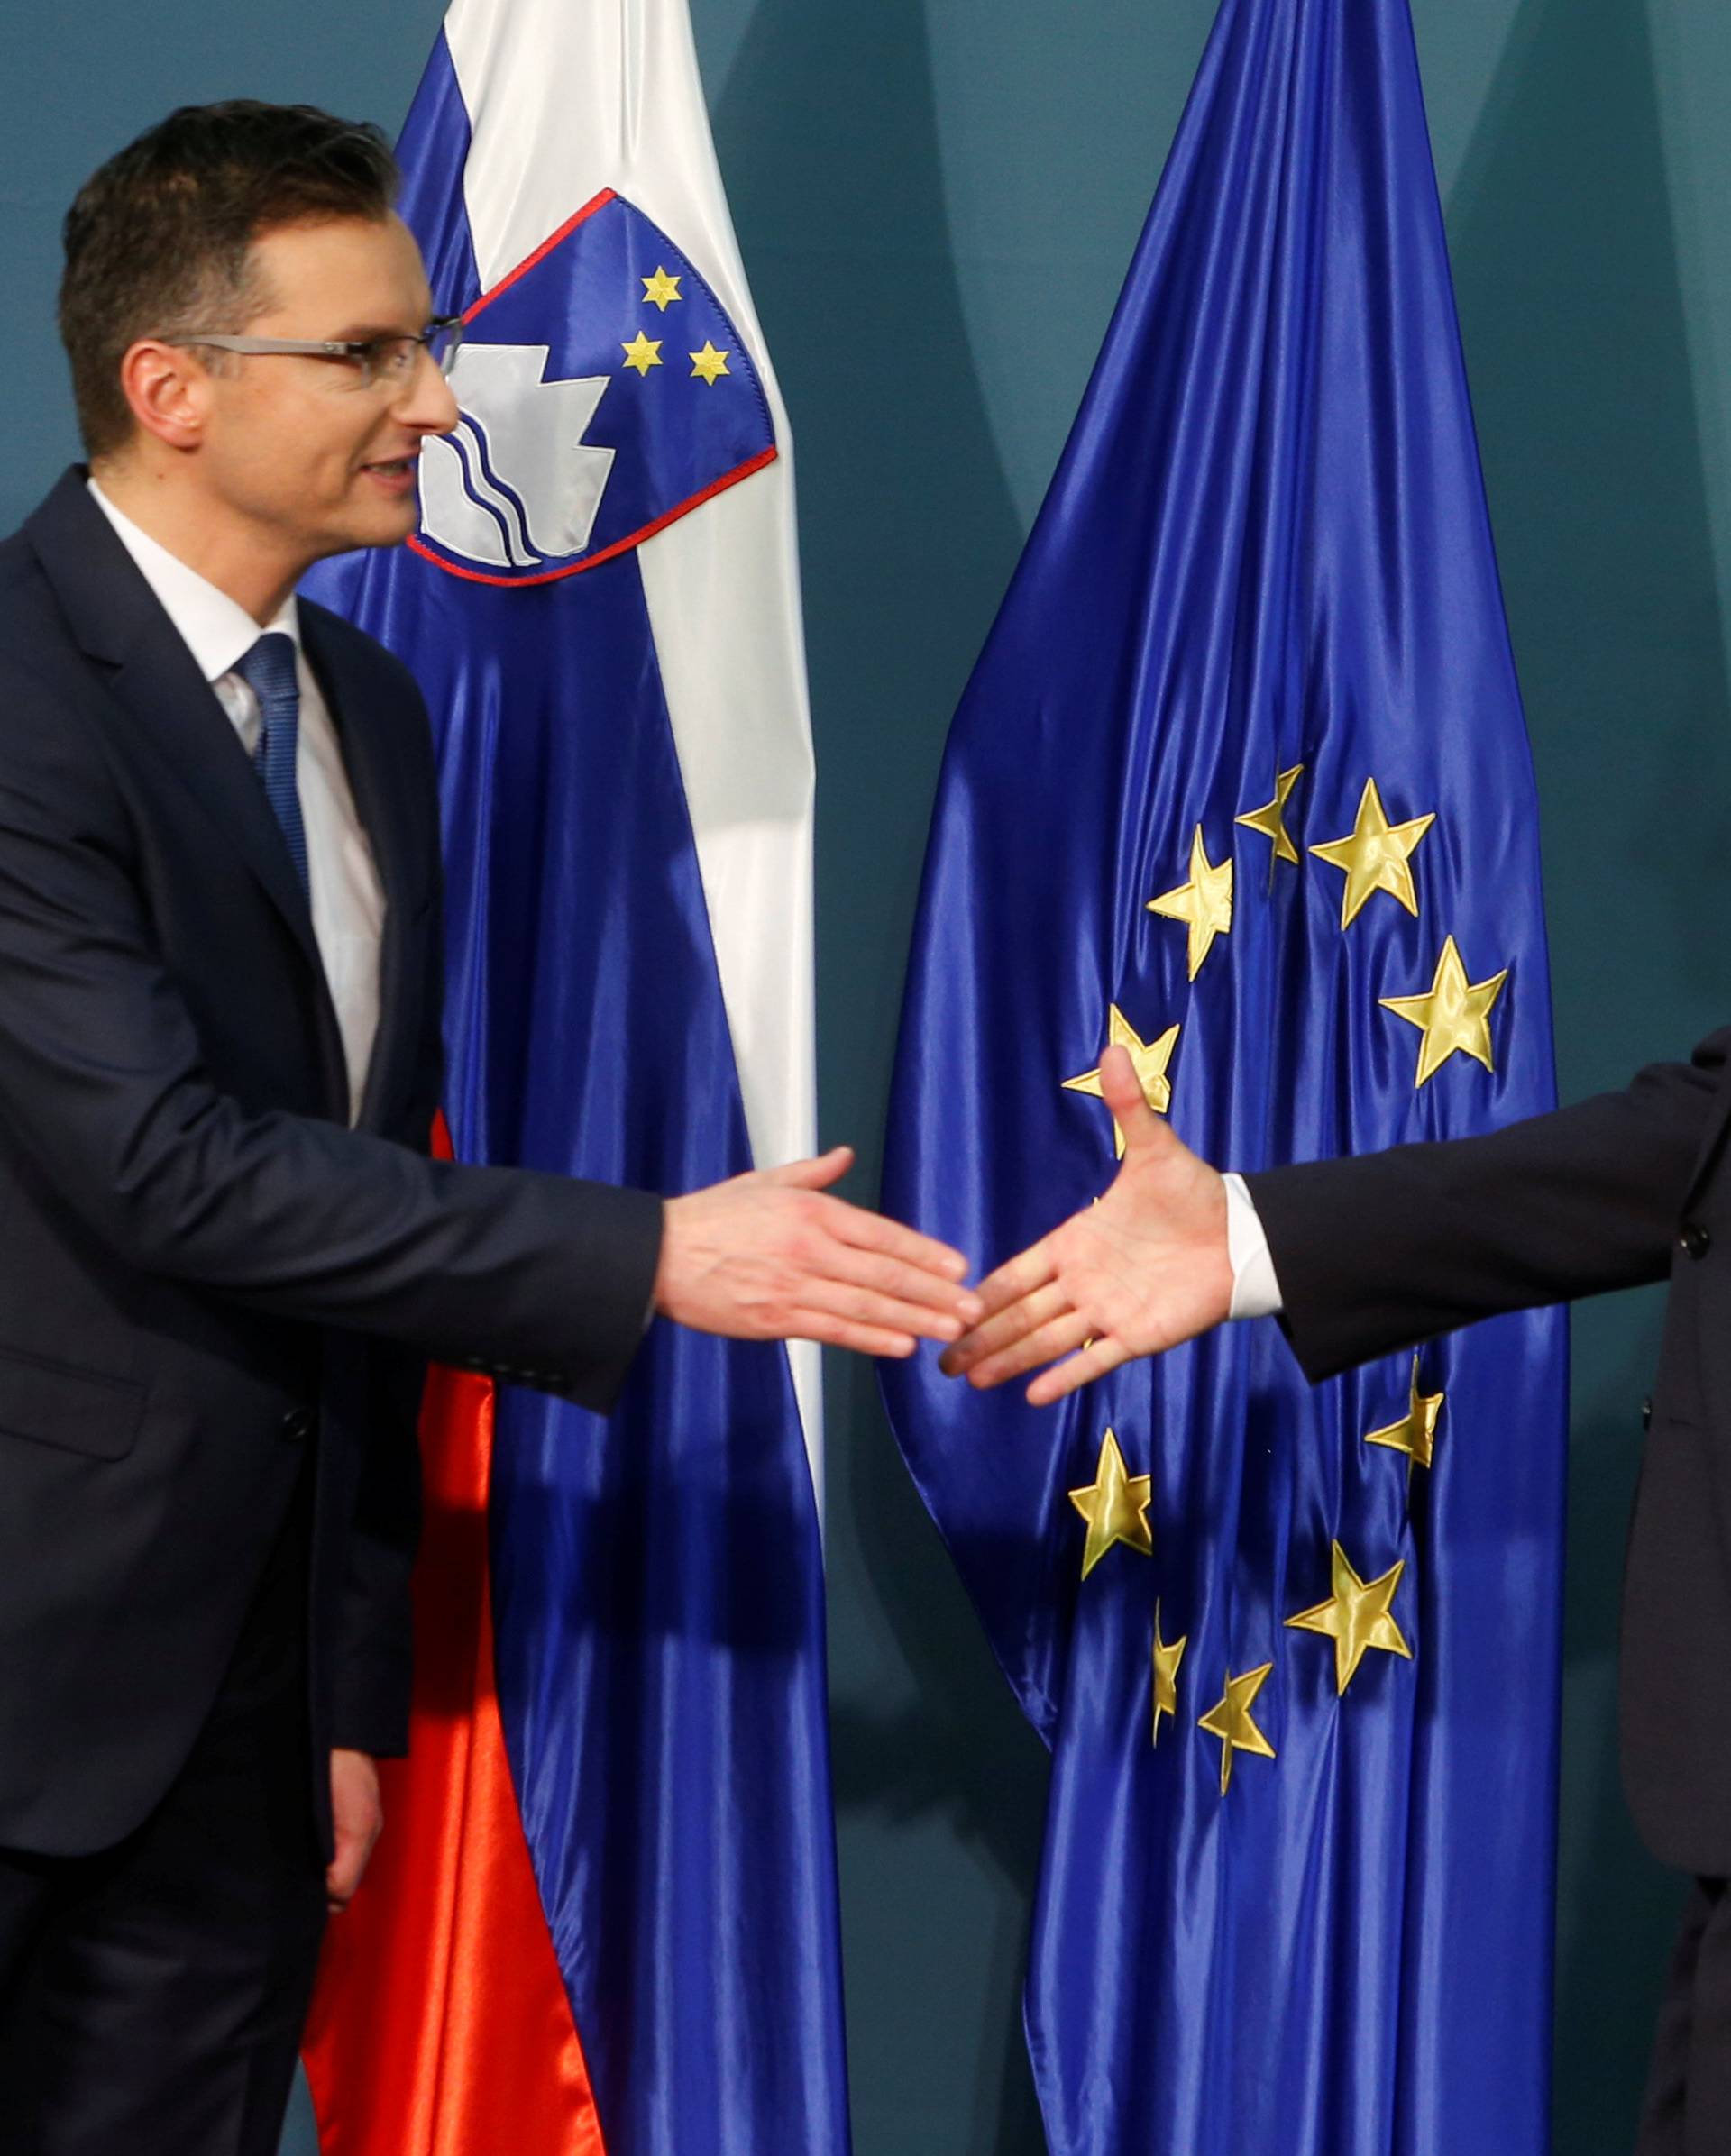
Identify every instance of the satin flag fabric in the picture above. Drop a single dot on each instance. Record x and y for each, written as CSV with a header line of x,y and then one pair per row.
x,y
1262,578
624,1928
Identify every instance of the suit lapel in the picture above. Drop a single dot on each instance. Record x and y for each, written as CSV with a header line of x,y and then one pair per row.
x,y
119,624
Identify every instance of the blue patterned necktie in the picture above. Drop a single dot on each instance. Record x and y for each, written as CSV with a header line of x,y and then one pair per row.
x,y
269,669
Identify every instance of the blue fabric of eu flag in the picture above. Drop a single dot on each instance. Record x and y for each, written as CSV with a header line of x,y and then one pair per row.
x,y
1295,1896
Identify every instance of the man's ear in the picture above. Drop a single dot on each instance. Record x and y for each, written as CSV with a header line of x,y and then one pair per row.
x,y
168,387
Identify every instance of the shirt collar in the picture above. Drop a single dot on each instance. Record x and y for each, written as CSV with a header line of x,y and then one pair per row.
x,y
217,630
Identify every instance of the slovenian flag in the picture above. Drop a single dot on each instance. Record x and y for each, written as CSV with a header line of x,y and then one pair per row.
x,y
603,1916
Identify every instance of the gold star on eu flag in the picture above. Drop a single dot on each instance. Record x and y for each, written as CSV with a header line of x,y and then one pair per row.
x,y
660,290
1270,819
709,362
1115,1506
1415,1433
1356,1617
1166,1658
1205,902
1377,855
1453,1016
1231,1722
1151,1058
643,352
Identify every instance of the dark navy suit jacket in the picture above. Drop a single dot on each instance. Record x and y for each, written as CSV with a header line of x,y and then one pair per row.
x,y
1379,1252
207,1281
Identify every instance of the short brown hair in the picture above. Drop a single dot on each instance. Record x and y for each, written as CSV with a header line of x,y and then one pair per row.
x,y
160,238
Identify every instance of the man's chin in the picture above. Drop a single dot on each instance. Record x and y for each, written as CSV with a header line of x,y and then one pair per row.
x,y
375,530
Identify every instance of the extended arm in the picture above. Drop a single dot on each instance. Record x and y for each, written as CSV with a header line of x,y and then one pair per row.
x,y
541,1277
1378,1252
103,1086
1372,1253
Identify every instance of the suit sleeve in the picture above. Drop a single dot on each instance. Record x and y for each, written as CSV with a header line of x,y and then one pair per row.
x,y
539,1278
1381,1251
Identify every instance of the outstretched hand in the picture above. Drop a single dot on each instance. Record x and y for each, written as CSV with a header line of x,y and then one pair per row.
x,y
1142,1270
770,1257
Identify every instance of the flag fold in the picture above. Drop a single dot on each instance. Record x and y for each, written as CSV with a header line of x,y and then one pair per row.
x,y
1242,781
620,1779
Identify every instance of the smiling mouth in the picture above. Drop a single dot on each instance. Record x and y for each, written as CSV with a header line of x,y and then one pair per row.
x,y
393,468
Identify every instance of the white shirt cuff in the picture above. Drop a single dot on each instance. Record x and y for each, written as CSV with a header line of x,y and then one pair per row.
x,y
1256,1293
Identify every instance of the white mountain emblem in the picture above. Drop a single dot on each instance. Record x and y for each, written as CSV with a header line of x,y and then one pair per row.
x,y
515,484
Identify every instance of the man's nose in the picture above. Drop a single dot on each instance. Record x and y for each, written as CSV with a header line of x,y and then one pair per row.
x,y
428,403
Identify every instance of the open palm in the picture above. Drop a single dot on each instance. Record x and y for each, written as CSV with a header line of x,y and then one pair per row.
x,y
1145,1268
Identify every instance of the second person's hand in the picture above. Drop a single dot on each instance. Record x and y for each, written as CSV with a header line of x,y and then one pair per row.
x,y
1145,1268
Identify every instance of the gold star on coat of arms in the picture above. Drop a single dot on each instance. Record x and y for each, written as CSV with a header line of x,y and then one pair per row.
x,y
643,352
710,364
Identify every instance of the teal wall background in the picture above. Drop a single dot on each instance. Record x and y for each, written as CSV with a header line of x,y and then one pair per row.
x,y
937,200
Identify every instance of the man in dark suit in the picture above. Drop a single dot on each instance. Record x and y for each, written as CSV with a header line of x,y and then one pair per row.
x,y
224,1252
1365,1256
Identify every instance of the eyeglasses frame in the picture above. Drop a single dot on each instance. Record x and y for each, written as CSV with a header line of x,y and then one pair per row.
x,y
356,349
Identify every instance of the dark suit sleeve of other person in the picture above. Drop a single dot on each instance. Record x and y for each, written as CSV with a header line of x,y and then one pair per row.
x,y
1386,1249
538,1278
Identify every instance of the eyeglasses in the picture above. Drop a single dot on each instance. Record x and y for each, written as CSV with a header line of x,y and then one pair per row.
x,y
390,360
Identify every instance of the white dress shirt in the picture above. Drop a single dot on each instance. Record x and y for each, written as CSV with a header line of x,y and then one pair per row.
x,y
1256,1293
348,901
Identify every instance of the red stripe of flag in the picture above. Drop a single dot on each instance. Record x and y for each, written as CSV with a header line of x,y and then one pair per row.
x,y
440,2025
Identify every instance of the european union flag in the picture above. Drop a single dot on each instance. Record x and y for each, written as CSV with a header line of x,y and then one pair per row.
x,y
1242,781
